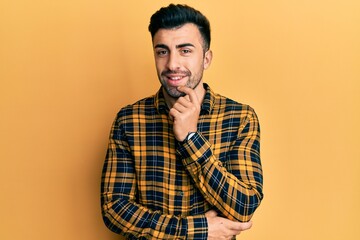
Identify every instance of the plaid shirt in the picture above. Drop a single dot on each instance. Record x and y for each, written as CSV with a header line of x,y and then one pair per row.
x,y
154,187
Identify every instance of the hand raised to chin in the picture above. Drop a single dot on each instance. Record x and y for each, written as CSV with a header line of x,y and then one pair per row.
x,y
185,113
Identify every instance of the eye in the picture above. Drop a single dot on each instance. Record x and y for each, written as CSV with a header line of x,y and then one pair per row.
x,y
161,52
185,51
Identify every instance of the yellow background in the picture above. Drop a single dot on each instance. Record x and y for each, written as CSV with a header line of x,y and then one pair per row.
x,y
67,67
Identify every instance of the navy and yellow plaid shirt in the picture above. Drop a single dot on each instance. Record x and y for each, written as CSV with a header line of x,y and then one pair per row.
x,y
154,187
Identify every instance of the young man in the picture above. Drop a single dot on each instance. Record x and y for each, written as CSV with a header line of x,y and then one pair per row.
x,y
185,162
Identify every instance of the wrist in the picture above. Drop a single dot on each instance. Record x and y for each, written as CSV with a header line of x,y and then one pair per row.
x,y
188,136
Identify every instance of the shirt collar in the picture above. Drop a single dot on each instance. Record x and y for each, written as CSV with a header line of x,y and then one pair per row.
x,y
206,106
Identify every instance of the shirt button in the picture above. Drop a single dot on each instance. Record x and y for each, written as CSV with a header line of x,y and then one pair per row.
x,y
181,193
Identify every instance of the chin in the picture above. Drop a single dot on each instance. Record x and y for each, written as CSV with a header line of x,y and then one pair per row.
x,y
175,94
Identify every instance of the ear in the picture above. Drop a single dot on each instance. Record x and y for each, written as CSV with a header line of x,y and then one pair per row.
x,y
207,59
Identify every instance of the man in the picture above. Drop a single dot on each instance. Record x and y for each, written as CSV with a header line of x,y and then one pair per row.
x,y
185,162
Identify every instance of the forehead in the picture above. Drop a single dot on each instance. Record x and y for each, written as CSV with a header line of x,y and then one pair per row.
x,y
187,33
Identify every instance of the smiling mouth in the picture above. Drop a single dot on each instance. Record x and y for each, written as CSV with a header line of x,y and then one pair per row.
x,y
175,80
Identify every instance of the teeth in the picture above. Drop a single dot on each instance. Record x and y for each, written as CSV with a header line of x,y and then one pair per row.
x,y
175,78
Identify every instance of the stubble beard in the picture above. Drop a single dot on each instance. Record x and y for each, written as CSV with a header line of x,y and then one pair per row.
x,y
193,82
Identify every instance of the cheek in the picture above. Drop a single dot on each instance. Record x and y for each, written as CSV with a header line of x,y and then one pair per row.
x,y
194,64
159,65
199,65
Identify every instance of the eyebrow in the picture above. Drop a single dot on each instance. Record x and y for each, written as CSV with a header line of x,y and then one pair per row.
x,y
177,46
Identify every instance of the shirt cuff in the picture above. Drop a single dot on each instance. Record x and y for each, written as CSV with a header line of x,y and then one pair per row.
x,y
196,150
197,227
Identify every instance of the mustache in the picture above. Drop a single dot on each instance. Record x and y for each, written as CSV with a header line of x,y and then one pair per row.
x,y
166,72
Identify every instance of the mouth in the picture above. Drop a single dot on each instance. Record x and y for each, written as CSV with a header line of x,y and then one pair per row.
x,y
175,79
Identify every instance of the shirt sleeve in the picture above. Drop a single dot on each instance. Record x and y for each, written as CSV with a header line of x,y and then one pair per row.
x,y
121,212
233,187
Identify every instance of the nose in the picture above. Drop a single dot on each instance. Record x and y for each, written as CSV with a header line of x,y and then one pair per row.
x,y
173,62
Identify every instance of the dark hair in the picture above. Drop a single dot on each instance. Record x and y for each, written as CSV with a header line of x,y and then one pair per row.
x,y
174,16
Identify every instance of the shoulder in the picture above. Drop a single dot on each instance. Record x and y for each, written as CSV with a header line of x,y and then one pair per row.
x,y
230,106
141,107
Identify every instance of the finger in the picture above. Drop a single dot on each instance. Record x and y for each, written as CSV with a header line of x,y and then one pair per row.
x,y
190,92
246,226
211,213
241,226
231,233
234,232
185,102
174,113
180,107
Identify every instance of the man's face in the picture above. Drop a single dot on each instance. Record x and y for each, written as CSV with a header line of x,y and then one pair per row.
x,y
179,57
